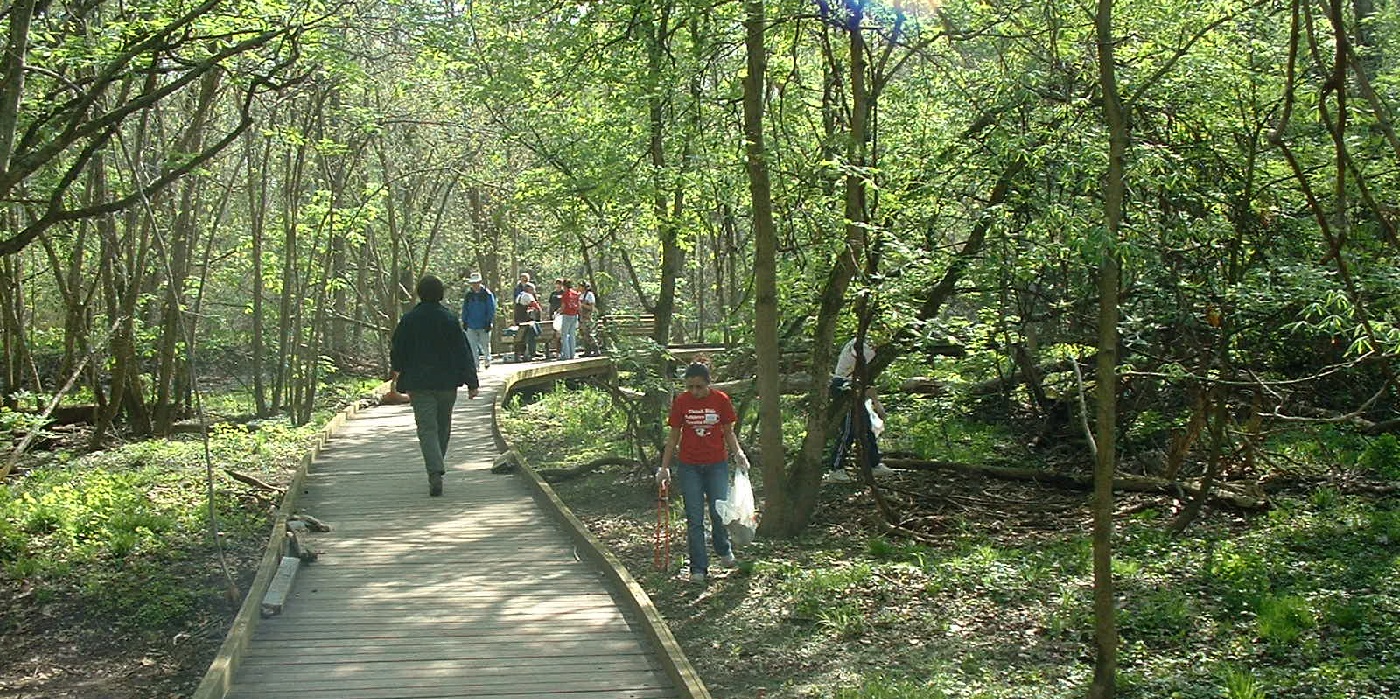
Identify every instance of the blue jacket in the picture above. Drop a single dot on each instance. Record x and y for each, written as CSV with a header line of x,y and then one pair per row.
x,y
430,351
479,309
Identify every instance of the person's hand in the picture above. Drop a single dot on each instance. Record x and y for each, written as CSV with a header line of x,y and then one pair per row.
x,y
742,461
471,393
663,476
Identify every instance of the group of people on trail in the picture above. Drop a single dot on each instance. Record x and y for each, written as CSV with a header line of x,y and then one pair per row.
x,y
571,308
432,355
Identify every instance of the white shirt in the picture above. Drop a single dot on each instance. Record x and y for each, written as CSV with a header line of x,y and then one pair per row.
x,y
846,361
525,298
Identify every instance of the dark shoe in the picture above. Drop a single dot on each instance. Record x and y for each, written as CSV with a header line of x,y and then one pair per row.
x,y
434,484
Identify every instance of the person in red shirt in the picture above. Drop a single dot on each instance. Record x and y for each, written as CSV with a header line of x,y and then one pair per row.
x,y
568,333
701,441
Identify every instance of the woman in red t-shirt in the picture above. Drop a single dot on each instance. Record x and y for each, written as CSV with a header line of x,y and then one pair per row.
x,y
568,309
702,426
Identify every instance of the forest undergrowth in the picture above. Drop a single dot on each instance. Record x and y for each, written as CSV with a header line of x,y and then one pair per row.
x,y
110,585
1300,601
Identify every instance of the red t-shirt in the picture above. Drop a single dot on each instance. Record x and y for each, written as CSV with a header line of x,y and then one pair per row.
x,y
569,303
699,420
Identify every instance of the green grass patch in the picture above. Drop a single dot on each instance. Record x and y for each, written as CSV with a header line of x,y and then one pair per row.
x,y
125,532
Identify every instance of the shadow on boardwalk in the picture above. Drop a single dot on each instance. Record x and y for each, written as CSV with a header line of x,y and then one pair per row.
x,y
478,593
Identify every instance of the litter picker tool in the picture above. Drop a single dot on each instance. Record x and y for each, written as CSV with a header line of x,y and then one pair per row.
x,y
661,538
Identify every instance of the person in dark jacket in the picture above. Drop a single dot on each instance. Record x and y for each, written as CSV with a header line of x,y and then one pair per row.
x,y
430,359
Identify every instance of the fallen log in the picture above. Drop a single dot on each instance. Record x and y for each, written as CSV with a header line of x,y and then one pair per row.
x,y
923,386
1138,484
559,475
250,480
788,384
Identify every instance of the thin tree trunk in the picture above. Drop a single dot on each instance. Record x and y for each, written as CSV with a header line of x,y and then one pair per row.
x,y
178,249
257,213
12,79
294,165
667,228
1105,623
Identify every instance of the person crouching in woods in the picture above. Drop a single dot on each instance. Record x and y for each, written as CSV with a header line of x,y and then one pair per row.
x,y
431,358
701,439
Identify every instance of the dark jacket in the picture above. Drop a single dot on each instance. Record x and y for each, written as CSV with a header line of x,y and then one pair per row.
x,y
430,351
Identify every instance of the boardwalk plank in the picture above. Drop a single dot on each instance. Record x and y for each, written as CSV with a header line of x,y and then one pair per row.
x,y
474,594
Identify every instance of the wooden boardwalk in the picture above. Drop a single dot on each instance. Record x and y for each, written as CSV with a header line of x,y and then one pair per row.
x,y
478,593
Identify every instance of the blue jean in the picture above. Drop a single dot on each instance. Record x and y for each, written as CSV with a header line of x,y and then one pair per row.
x,y
432,414
847,438
569,343
479,340
701,485
840,392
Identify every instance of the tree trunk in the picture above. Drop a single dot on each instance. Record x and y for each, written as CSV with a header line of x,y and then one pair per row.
x,y
765,266
12,80
799,501
1105,624
293,168
666,226
177,249
257,222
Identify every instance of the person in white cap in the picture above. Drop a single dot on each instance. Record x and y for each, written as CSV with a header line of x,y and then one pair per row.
x,y
478,316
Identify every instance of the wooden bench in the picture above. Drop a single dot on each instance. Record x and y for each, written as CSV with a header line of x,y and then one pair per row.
x,y
545,341
626,324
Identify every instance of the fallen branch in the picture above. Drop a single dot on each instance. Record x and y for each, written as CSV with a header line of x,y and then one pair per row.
x,y
1139,484
559,475
250,480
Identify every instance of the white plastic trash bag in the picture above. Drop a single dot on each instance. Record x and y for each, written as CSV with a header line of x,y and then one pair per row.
x,y
737,511
877,423
559,323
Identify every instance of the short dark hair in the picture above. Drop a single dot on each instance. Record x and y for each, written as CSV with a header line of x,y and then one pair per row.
x,y
698,369
429,288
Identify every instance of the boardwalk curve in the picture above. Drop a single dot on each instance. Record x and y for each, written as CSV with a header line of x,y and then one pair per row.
x,y
484,592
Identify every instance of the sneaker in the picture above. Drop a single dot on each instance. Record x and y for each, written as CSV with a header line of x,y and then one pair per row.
x,y
881,470
728,561
838,476
697,578
434,484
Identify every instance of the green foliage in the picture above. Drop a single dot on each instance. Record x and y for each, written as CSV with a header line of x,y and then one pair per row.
x,y
18,422
1241,684
124,531
1382,457
1160,614
1304,597
947,438
1238,572
815,593
1283,619
882,687
582,425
